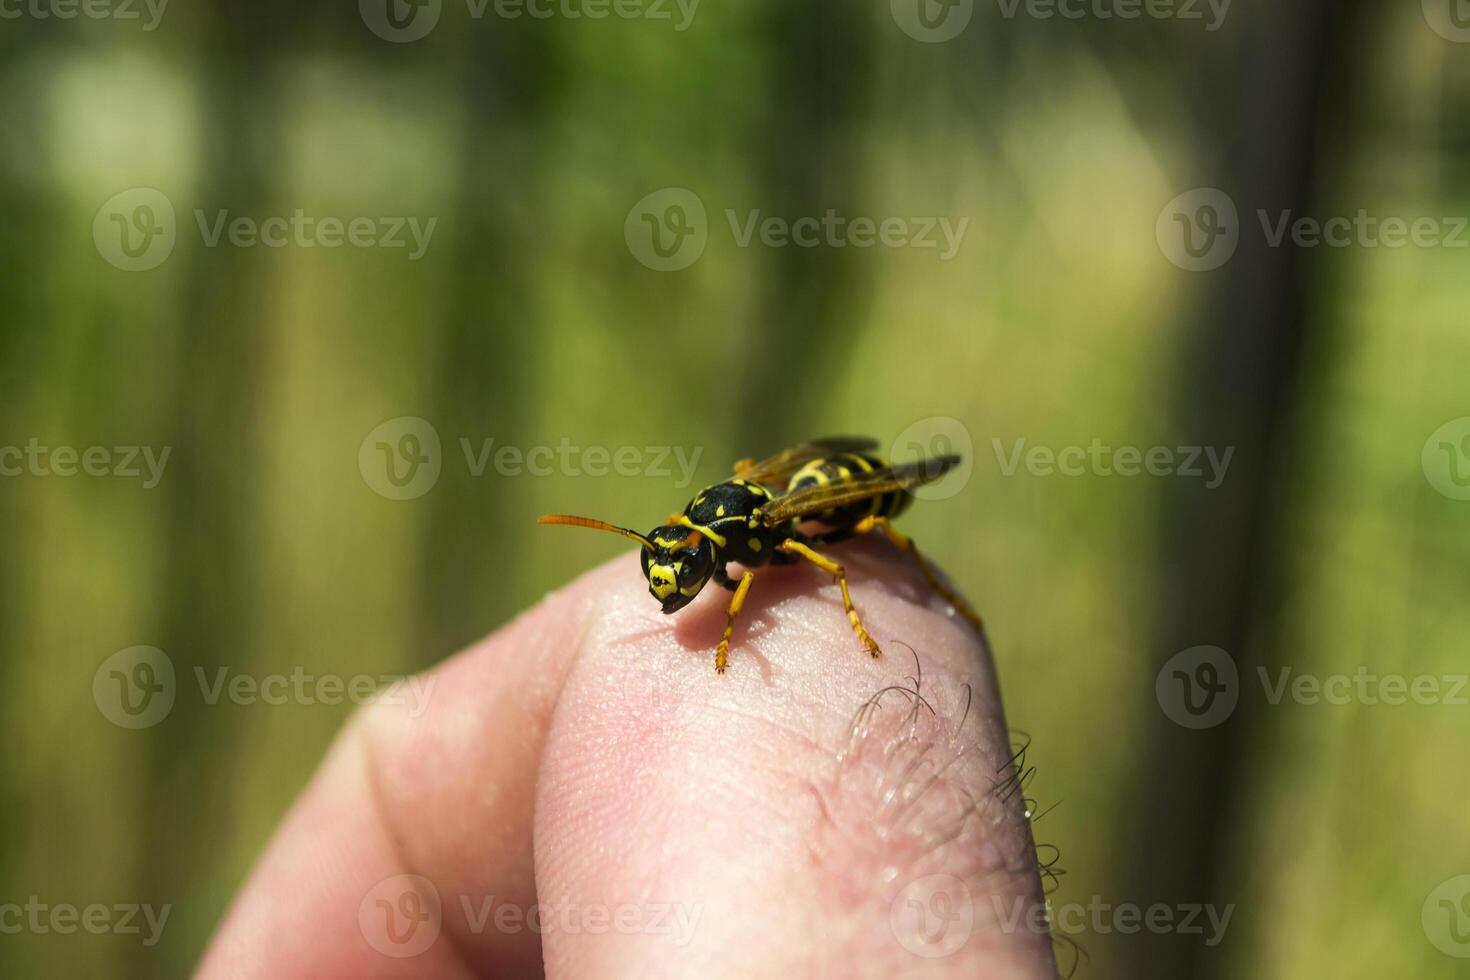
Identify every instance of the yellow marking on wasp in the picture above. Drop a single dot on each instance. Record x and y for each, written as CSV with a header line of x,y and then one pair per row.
x,y
662,580
719,511
812,471
755,544
794,547
722,652
718,539
863,464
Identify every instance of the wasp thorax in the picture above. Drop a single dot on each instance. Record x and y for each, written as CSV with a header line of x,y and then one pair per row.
x,y
678,565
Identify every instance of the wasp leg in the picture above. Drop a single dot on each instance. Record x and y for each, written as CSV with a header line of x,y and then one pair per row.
x,y
903,542
723,577
794,547
722,652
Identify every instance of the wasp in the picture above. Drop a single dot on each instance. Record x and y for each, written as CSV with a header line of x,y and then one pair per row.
x,y
759,517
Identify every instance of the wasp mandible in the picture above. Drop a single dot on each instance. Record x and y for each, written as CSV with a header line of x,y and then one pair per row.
x,y
838,483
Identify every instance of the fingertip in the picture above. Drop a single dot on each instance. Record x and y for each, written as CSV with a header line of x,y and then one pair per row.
x,y
725,795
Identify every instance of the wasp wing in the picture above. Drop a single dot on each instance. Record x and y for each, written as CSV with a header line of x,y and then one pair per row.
x,y
815,500
779,468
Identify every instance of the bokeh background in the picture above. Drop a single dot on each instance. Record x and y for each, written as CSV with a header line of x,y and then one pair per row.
x,y
1337,540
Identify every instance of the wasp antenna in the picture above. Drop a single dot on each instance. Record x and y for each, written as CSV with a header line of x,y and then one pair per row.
x,y
595,525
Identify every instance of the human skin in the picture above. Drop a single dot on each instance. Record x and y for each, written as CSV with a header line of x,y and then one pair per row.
x,y
670,821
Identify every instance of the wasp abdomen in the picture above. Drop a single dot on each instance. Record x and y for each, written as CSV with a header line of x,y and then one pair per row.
x,y
840,469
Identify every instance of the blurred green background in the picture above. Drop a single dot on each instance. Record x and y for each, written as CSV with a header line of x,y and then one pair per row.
x,y
531,318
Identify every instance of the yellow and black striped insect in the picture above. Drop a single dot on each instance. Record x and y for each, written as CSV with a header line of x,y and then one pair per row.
x,y
837,483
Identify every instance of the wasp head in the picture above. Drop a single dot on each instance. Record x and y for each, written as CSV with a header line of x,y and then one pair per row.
x,y
677,563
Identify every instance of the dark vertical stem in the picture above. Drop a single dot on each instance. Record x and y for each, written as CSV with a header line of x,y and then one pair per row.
x,y
508,79
1238,385
821,61
211,547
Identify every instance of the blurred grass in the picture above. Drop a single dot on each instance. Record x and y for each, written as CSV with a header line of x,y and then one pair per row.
x,y
528,321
